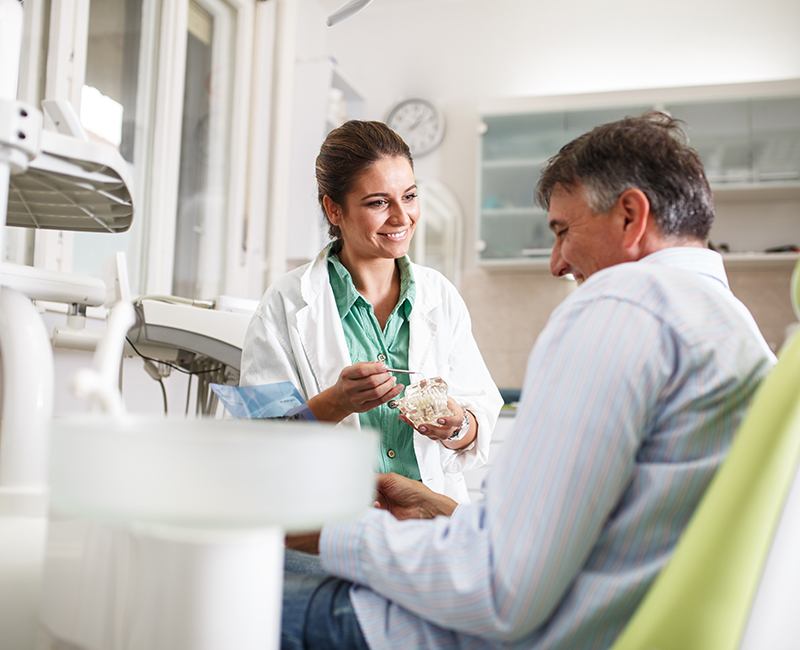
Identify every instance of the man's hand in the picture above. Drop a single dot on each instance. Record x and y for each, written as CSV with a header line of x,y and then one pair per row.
x,y
409,499
306,542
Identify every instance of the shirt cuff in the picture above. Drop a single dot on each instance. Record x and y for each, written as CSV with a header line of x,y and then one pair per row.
x,y
340,546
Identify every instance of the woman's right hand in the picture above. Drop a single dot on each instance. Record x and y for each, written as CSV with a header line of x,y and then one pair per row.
x,y
365,385
359,388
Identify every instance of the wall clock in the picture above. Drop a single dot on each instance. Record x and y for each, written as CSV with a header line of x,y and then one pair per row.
x,y
419,123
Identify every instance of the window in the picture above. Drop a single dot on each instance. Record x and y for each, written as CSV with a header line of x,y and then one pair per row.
x,y
205,134
115,109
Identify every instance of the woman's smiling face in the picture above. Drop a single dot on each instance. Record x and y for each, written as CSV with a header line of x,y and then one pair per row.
x,y
380,211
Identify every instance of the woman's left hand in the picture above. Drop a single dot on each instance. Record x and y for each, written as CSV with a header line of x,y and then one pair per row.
x,y
444,427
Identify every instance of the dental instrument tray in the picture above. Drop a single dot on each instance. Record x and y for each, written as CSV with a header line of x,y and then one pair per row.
x,y
72,184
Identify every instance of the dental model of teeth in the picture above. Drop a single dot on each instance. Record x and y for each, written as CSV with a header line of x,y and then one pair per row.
x,y
425,401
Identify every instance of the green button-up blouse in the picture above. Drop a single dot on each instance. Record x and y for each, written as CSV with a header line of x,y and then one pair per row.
x,y
367,342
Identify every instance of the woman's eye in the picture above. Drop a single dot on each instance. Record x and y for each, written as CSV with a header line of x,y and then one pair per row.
x,y
410,197
377,203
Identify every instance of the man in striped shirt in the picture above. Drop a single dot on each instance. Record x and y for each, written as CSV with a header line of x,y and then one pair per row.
x,y
633,392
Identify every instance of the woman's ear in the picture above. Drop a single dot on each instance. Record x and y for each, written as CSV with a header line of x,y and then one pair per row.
x,y
333,211
634,207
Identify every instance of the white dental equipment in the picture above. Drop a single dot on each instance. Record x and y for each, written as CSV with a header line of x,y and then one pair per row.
x,y
201,340
346,10
164,535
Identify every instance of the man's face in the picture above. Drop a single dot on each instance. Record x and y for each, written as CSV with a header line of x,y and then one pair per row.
x,y
586,242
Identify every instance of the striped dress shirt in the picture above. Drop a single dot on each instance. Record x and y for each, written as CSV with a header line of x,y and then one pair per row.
x,y
632,394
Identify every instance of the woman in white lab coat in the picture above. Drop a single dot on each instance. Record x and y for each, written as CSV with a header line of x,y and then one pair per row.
x,y
333,326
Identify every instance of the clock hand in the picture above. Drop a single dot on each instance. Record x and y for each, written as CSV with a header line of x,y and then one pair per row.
x,y
416,123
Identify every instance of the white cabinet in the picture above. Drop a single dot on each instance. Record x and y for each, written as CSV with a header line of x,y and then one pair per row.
x,y
323,99
748,136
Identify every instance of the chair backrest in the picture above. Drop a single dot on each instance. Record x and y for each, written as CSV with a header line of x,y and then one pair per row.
x,y
704,596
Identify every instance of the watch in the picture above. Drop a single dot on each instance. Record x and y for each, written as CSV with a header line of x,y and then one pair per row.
x,y
419,123
459,433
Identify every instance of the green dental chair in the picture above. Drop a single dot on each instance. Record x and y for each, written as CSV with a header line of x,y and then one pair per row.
x,y
734,579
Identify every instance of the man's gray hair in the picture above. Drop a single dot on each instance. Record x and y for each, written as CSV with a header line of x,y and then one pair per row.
x,y
649,153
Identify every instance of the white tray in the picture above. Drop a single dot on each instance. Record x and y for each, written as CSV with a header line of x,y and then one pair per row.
x,y
72,185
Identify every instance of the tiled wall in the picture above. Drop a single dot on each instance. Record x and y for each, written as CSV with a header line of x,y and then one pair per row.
x,y
509,309
765,291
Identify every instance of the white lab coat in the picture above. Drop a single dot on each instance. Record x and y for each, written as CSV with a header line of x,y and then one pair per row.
x,y
296,335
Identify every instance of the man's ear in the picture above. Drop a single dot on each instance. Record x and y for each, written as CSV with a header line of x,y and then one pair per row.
x,y
634,210
332,210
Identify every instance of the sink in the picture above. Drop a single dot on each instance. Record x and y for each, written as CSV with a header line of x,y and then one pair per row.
x,y
214,474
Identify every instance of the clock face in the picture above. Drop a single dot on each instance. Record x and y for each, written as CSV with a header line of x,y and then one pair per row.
x,y
419,124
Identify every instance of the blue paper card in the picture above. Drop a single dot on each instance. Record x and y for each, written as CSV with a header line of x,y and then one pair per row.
x,y
279,400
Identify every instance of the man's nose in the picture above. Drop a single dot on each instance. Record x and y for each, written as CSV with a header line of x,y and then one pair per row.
x,y
558,266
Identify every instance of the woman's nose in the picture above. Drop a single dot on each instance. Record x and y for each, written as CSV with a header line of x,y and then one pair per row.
x,y
398,214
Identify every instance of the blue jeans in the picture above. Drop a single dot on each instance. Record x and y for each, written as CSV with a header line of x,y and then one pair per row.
x,y
317,612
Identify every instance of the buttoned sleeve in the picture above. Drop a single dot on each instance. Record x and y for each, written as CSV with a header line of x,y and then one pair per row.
x,y
499,569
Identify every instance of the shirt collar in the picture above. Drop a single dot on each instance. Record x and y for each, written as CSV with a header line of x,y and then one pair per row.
x,y
691,258
408,288
345,292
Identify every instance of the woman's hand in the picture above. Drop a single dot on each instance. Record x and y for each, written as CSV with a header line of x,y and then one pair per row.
x,y
359,388
444,427
408,499
363,386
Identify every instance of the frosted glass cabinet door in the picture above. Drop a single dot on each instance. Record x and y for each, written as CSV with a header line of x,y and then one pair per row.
x,y
776,139
720,132
514,148
745,141
577,123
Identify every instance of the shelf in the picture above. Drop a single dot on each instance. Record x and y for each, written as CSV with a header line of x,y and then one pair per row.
x,y
759,260
773,191
538,264
506,163
511,212
731,261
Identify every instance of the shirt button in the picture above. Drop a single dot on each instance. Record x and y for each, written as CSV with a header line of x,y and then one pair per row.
x,y
392,404
382,358
391,453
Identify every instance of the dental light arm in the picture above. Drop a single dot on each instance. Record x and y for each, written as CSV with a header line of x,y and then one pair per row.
x,y
346,10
